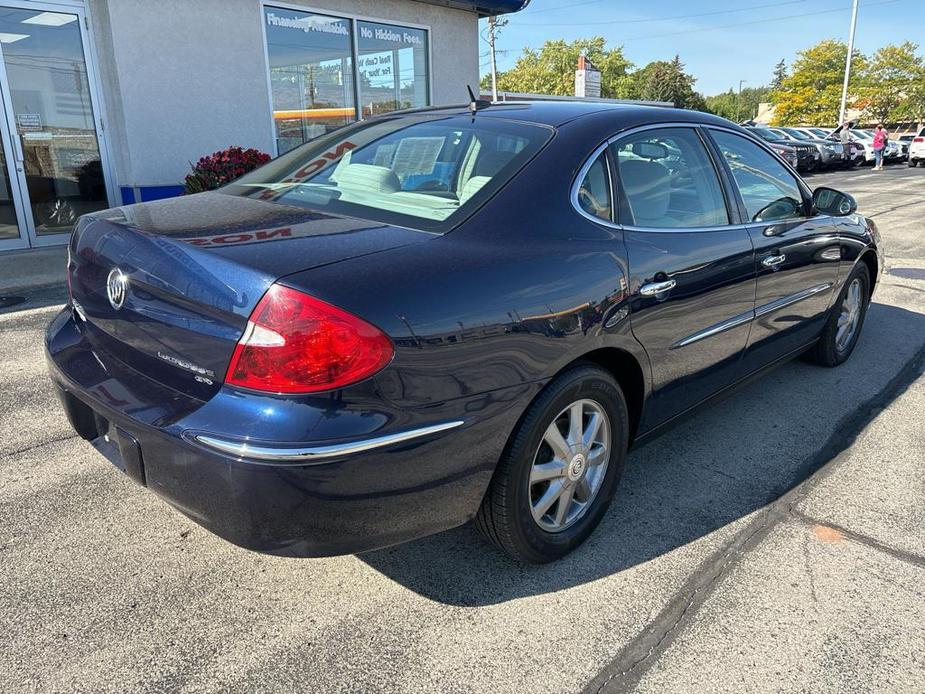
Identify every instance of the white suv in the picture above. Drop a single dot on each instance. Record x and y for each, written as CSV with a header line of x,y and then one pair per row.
x,y
917,149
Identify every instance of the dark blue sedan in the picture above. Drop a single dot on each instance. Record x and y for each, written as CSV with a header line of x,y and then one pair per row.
x,y
447,314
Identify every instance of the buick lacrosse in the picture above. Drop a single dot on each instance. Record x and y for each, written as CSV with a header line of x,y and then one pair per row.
x,y
448,314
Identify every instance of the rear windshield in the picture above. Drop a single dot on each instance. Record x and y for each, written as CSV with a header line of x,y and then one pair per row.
x,y
418,171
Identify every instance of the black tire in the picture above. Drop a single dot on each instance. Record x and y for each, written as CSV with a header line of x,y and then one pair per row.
x,y
505,516
826,351
913,164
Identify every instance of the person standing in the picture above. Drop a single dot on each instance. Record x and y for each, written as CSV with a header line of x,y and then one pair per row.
x,y
880,138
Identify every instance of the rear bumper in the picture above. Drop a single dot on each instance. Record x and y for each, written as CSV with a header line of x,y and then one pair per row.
x,y
355,499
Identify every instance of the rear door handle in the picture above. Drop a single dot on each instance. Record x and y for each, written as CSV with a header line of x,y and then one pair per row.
x,y
654,288
773,260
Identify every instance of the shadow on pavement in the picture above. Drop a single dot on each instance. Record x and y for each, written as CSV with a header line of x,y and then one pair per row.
x,y
725,462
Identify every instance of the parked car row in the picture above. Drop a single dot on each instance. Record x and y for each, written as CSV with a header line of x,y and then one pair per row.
x,y
823,148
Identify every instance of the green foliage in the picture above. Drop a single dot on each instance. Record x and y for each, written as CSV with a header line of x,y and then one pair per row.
x,y
738,107
780,74
551,69
663,80
811,94
894,75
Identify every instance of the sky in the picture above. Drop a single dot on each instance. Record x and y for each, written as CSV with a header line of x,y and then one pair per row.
x,y
720,42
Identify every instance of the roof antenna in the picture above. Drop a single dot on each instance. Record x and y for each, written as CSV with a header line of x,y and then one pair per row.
x,y
474,103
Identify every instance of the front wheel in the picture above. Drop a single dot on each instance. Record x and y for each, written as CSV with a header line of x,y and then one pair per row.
x,y
843,327
560,470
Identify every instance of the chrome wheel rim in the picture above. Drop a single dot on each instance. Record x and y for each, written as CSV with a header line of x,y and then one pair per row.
x,y
849,317
569,465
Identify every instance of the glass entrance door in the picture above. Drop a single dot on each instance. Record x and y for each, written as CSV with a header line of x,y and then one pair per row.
x,y
57,173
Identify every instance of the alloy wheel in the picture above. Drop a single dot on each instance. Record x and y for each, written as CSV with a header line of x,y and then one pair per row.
x,y
849,317
569,465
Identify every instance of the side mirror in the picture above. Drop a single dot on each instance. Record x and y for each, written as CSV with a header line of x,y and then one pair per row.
x,y
834,202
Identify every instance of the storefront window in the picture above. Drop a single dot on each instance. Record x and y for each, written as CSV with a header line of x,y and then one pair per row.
x,y
311,74
316,77
392,67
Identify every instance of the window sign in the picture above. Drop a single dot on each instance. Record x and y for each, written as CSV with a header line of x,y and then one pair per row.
x,y
315,75
311,74
392,67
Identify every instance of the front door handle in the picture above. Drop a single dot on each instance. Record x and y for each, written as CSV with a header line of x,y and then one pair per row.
x,y
773,261
654,288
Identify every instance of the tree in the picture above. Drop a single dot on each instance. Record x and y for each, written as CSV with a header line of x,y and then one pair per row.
x,y
780,74
737,107
811,93
551,69
889,82
666,81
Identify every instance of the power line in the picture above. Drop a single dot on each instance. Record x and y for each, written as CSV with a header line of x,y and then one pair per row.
x,y
756,21
664,19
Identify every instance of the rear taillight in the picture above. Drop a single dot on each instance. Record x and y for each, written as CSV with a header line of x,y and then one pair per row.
x,y
295,343
919,139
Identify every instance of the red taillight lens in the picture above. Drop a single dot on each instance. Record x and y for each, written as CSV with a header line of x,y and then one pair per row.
x,y
918,139
295,343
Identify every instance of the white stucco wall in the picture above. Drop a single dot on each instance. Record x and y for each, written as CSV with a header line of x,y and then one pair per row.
x,y
183,78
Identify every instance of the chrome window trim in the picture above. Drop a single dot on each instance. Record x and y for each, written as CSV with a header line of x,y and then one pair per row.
x,y
579,177
313,455
748,316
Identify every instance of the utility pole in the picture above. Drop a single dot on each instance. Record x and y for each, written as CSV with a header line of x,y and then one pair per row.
x,y
739,99
494,66
842,111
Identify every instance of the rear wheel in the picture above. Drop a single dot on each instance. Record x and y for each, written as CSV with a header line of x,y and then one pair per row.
x,y
913,163
560,470
843,327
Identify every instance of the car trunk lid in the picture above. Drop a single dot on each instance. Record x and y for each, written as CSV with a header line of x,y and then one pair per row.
x,y
167,287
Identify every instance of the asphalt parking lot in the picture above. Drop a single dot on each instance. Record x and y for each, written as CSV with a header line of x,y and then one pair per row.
x,y
773,542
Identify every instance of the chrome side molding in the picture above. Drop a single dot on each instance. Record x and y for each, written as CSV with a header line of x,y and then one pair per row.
x,y
316,454
748,316
791,299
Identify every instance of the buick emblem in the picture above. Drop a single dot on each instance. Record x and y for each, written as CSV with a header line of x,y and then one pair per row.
x,y
116,288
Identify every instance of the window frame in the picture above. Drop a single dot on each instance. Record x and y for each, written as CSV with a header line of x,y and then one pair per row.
x,y
805,192
354,19
734,208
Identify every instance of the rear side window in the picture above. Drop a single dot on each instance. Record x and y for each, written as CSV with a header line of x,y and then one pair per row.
x,y
668,180
417,171
594,190
768,189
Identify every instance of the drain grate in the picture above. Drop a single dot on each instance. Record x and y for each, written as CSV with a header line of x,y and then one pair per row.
x,y
910,273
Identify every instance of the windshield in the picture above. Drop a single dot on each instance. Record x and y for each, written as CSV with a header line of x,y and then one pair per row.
x,y
862,134
413,170
781,134
819,132
797,134
765,134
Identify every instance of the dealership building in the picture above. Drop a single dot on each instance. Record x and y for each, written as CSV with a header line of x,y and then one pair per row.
x,y
106,102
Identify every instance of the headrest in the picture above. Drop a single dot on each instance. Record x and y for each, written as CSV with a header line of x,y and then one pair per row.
x,y
367,177
490,163
647,185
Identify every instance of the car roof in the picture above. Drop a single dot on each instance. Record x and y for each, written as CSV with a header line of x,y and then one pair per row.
x,y
556,113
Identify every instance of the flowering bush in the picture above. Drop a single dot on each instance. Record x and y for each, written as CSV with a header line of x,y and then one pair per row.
x,y
222,167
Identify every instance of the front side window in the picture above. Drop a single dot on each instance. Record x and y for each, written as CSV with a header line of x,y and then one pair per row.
x,y
768,189
311,74
392,68
668,180
418,171
594,190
